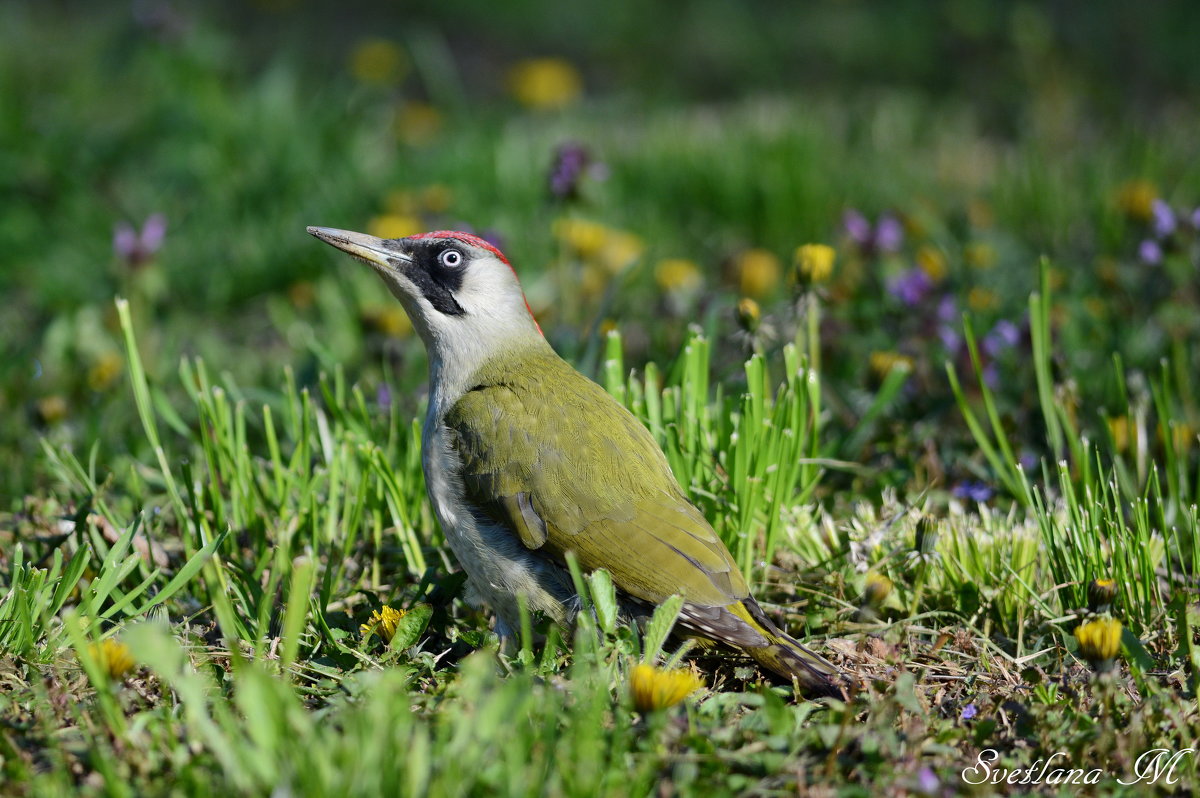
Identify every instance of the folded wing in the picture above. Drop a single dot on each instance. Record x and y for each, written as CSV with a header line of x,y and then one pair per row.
x,y
592,480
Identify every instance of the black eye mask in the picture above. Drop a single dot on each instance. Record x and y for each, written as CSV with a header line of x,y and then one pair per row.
x,y
436,281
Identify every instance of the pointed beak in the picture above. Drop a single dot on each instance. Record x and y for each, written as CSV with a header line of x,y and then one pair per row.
x,y
373,251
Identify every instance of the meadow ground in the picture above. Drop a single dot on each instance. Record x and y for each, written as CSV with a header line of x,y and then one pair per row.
x,y
924,353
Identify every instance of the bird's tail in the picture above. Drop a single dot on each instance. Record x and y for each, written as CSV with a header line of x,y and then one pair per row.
x,y
788,658
791,660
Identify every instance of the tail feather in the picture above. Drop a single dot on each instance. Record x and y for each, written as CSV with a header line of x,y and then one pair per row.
x,y
791,660
787,657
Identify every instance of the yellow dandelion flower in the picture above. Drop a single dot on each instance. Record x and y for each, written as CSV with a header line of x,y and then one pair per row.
x,y
391,321
302,294
583,238
417,123
882,362
620,250
113,657
981,299
593,279
980,214
1135,199
877,589
1120,430
394,322
1095,306
104,371
1101,593
383,623
931,261
915,226
437,197
379,62
1107,270
52,409
394,225
655,688
1099,641
757,272
545,83
979,255
1182,434
749,314
814,262
401,202
677,275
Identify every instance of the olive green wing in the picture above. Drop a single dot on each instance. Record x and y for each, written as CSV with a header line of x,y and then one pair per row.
x,y
551,456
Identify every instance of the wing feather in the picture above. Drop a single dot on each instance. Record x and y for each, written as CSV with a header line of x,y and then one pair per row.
x,y
598,486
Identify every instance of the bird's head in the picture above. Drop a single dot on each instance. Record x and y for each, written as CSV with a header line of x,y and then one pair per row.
x,y
459,290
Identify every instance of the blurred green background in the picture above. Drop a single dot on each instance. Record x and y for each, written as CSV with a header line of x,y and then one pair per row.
x,y
173,153
847,189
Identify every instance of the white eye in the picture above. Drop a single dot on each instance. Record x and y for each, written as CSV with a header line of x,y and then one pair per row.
x,y
451,258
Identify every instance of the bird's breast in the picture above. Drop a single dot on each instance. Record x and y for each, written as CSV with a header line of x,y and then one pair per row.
x,y
497,564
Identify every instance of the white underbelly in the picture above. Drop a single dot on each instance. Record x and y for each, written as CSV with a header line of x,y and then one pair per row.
x,y
498,566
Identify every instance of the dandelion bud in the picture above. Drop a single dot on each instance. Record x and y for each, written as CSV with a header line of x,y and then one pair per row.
x,y
878,588
749,314
51,409
882,362
1101,593
927,535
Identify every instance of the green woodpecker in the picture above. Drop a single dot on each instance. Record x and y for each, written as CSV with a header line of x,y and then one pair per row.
x,y
526,459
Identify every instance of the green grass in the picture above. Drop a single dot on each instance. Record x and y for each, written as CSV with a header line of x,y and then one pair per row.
x,y
221,469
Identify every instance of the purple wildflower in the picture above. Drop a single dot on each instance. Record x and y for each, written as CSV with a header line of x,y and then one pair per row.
x,y
947,317
137,248
161,18
910,287
572,162
383,397
1007,332
494,238
857,227
970,711
1003,336
1162,219
973,490
886,235
889,233
927,781
1196,219
1150,252
947,310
